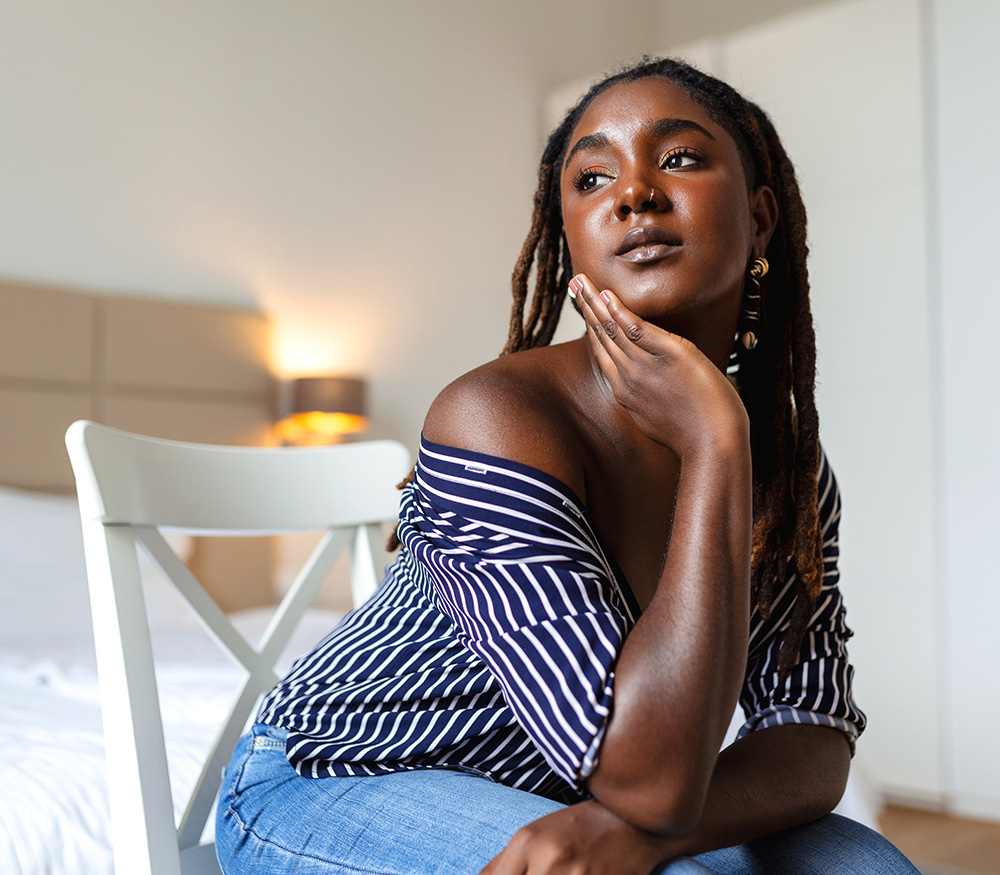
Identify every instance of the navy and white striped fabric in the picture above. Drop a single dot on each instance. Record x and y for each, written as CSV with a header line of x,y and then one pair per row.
x,y
491,644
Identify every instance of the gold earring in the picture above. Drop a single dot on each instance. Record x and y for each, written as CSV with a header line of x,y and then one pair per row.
x,y
750,315
759,267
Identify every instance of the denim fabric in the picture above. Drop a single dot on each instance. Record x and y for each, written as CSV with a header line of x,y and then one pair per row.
x,y
833,845
272,821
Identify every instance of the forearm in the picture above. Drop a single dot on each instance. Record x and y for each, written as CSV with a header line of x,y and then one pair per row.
x,y
772,780
769,781
681,667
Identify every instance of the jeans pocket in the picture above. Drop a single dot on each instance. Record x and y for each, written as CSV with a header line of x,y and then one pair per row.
x,y
259,759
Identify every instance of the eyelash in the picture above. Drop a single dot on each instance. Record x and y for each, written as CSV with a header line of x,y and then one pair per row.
x,y
579,180
681,152
581,175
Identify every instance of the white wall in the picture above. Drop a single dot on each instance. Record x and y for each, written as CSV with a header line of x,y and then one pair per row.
x,y
363,169
848,103
966,180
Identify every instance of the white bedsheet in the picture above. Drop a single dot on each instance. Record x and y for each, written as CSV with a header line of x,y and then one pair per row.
x,y
54,806
53,791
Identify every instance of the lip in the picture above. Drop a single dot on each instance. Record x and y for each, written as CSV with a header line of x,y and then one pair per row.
x,y
641,245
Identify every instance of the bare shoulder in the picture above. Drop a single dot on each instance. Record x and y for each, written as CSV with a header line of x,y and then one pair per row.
x,y
516,408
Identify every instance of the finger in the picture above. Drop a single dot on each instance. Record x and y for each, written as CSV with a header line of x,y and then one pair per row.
x,y
613,362
604,360
605,350
632,330
629,331
508,862
504,864
602,328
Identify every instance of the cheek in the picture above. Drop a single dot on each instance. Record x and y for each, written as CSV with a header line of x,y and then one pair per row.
x,y
582,229
724,220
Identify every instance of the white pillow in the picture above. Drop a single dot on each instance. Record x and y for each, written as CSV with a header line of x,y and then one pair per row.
x,y
43,579
39,528
45,529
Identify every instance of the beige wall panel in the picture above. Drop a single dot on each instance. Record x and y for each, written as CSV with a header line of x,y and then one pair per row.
x,y
213,422
45,334
32,425
151,343
237,572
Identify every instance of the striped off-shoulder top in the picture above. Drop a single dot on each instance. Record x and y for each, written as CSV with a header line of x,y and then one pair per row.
x,y
490,646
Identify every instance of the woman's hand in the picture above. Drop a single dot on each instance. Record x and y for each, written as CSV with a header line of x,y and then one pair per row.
x,y
675,394
583,839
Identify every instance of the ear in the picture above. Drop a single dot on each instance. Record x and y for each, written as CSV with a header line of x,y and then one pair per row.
x,y
764,213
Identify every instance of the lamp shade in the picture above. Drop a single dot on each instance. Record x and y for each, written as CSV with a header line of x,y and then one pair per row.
x,y
319,410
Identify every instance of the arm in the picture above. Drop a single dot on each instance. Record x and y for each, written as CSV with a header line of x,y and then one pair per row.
x,y
795,770
769,781
676,678
682,666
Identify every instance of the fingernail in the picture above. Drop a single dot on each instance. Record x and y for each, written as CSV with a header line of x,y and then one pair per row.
x,y
605,297
570,292
575,285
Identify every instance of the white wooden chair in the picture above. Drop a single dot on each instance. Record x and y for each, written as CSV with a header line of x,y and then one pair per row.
x,y
128,486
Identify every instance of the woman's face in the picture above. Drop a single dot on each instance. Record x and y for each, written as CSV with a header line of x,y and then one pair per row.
x,y
656,206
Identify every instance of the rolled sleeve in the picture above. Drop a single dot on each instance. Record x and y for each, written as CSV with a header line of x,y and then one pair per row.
x,y
818,690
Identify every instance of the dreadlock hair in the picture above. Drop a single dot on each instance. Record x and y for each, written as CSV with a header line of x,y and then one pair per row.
x,y
776,379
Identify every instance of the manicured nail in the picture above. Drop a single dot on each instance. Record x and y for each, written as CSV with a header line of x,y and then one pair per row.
x,y
575,285
605,297
570,292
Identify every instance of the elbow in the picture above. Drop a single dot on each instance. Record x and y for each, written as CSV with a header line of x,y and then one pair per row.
x,y
669,817
663,805
656,785
669,821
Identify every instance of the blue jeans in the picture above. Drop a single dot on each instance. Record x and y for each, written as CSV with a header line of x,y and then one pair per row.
x,y
271,820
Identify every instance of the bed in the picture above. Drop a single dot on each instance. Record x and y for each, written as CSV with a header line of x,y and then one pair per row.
x,y
164,368
54,809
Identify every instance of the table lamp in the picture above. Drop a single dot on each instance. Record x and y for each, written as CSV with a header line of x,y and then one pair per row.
x,y
314,411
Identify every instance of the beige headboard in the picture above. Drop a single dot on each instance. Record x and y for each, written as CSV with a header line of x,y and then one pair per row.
x,y
162,368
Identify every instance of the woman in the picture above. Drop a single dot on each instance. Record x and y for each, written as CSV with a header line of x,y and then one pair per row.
x,y
593,572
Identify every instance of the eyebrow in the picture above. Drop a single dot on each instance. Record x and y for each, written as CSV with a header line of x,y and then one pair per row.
x,y
663,127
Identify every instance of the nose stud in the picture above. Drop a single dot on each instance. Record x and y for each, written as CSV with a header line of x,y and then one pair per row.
x,y
652,202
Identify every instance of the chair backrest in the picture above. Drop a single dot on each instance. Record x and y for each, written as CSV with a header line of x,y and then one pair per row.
x,y
128,486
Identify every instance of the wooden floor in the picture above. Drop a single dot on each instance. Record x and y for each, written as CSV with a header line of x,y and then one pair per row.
x,y
941,840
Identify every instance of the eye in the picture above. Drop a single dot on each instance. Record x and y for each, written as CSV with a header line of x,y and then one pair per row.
x,y
590,178
681,158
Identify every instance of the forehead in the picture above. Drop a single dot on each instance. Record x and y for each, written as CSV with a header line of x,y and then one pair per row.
x,y
630,106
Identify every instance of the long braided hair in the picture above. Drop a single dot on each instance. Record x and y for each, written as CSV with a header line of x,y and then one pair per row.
x,y
776,379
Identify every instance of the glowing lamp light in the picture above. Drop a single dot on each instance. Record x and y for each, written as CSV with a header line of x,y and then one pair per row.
x,y
315,411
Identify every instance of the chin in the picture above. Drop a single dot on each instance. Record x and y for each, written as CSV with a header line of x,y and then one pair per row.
x,y
649,296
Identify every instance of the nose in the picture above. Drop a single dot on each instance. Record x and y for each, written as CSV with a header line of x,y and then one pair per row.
x,y
638,197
